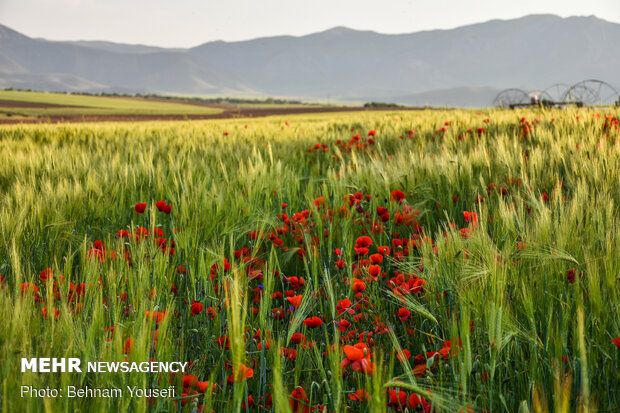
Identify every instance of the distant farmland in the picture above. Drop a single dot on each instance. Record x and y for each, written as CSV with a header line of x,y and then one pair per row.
x,y
38,104
41,107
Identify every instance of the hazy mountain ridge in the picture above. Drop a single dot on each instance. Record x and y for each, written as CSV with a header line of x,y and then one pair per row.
x,y
461,66
118,47
160,70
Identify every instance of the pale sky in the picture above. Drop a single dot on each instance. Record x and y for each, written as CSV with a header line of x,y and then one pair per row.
x,y
187,23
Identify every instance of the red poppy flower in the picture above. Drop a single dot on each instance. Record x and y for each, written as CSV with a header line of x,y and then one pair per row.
x,y
295,301
356,352
403,355
189,381
358,286
364,366
397,398
27,287
250,403
46,275
313,322
158,316
95,253
417,402
397,196
267,343
372,132
197,308
403,314
363,242
243,373
361,251
570,276
161,205
419,370
298,338
205,385
140,207
223,342
374,270
471,217
616,341
445,351
128,346
343,305
343,325
360,395
289,353
299,401
56,312
398,218
383,250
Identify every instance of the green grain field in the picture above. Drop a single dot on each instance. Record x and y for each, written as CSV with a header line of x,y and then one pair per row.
x,y
437,261
48,104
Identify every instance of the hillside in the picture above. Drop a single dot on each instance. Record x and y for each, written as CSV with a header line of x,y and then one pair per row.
x,y
338,64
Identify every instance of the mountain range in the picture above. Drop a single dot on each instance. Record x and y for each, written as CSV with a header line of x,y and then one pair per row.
x,y
465,66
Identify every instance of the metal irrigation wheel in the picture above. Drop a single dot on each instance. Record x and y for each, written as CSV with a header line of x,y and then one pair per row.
x,y
592,93
510,97
557,91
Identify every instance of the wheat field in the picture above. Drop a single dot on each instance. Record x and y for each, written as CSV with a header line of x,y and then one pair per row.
x,y
437,260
